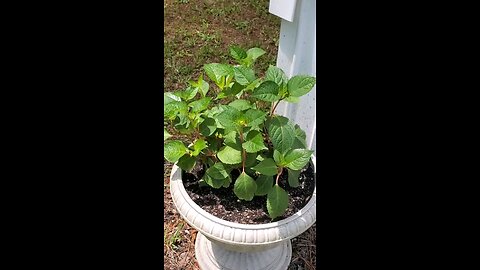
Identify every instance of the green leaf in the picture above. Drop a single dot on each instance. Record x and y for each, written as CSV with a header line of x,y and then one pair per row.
x,y
240,104
203,88
279,158
282,133
292,99
293,178
297,158
266,167
216,183
254,117
166,135
245,187
264,185
230,117
237,53
201,85
266,91
188,94
216,72
208,126
198,146
231,138
169,97
276,74
253,85
277,202
174,108
174,150
200,105
232,91
300,138
250,160
254,142
186,163
244,75
300,85
229,155
254,53
218,171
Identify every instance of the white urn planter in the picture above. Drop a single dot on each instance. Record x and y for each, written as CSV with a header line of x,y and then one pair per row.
x,y
222,244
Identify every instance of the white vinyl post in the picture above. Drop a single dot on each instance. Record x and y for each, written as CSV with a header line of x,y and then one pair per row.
x,y
296,56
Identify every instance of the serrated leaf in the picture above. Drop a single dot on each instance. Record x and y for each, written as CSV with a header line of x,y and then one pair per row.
x,y
293,178
277,202
231,139
266,167
230,117
245,187
174,150
266,91
200,105
254,117
282,133
217,171
216,183
208,126
198,146
264,185
186,163
187,94
166,135
237,53
174,108
201,85
296,159
254,142
203,88
240,104
229,155
254,53
300,85
276,74
232,91
253,85
216,72
169,97
279,158
300,138
244,75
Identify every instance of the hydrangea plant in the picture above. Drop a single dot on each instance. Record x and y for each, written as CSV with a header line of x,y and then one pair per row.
x,y
231,124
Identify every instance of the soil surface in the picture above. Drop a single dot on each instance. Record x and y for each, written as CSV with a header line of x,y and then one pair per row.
x,y
224,204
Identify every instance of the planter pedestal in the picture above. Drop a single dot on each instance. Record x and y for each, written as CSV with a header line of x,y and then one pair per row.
x,y
214,256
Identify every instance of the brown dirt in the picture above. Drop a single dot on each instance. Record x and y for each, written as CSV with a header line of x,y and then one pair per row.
x,y
224,204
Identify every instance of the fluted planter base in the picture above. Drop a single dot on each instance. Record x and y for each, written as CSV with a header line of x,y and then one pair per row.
x,y
212,256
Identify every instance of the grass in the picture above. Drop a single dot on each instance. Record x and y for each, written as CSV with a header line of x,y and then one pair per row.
x,y
197,32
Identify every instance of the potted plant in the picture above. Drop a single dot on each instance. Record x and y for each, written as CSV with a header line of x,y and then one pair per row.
x,y
240,150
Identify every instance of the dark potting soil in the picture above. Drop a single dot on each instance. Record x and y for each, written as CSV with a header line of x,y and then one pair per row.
x,y
224,204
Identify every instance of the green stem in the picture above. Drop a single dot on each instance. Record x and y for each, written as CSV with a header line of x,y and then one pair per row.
x,y
244,154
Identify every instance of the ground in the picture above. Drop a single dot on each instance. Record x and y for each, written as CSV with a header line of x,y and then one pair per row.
x,y
197,32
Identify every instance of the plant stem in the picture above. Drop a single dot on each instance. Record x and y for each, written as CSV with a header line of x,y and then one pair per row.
x,y
244,154
278,175
274,107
